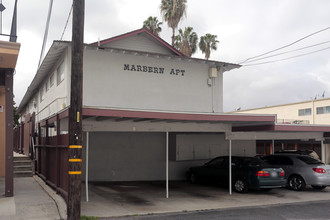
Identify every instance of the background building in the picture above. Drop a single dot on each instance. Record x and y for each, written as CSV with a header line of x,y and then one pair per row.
x,y
315,111
8,58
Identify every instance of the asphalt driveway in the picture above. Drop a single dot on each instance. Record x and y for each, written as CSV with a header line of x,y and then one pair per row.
x,y
140,198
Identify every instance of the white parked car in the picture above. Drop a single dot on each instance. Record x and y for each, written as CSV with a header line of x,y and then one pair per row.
x,y
301,170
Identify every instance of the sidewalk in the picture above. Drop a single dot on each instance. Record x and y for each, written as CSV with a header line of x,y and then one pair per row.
x,y
31,201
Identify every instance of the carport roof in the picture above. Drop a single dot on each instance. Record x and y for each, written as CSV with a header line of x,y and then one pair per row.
x,y
239,119
239,122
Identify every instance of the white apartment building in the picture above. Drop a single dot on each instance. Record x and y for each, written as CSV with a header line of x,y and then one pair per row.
x,y
316,111
146,109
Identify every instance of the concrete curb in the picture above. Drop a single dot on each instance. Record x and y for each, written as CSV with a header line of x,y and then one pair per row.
x,y
60,203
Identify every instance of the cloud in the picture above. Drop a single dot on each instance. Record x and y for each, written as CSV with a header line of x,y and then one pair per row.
x,y
244,29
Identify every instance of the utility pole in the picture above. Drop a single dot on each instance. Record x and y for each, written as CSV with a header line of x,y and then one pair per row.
x,y
13,30
75,112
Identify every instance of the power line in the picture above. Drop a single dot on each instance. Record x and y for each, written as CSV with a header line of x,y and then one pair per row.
x,y
288,58
66,24
286,45
46,32
302,48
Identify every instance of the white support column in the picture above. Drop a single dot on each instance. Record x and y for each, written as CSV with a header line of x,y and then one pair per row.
x,y
230,173
324,152
327,151
167,166
86,178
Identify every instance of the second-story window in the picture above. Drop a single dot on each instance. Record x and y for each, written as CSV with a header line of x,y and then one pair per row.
x,y
60,73
305,111
323,110
47,85
51,80
42,93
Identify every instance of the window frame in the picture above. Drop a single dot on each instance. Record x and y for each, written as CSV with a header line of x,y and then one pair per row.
x,y
305,112
42,93
60,76
47,86
323,110
51,80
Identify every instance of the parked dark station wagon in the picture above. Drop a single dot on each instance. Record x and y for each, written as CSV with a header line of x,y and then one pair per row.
x,y
247,173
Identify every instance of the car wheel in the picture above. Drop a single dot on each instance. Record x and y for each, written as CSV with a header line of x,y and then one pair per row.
x,y
318,187
192,178
297,183
240,186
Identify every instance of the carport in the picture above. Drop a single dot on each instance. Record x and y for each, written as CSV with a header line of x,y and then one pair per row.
x,y
170,126
236,129
281,132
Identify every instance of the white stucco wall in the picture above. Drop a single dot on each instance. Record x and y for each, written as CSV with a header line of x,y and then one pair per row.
x,y
108,85
207,146
145,43
55,98
109,81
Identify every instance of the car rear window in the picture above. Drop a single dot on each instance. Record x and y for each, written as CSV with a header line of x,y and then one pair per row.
x,y
278,160
254,162
309,160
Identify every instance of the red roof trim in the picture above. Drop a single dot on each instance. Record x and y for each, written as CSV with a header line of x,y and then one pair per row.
x,y
142,30
309,128
269,127
293,128
174,116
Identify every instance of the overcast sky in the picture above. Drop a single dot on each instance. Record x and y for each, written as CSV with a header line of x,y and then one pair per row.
x,y
245,28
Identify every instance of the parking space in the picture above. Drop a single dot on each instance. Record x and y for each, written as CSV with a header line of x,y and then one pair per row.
x,y
137,198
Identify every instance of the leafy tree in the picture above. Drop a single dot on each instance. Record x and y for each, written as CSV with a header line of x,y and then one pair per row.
x,y
172,12
153,25
208,43
16,117
186,41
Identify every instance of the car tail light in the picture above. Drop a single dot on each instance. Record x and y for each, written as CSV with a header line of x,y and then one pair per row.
x,y
319,170
262,173
282,173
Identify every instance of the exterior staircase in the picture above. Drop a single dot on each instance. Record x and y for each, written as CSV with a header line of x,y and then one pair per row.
x,y
22,166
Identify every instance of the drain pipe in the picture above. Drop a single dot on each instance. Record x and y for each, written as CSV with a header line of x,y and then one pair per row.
x,y
86,178
230,171
167,165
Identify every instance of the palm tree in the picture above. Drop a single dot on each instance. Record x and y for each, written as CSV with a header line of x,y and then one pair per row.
x,y
208,43
153,25
172,11
186,41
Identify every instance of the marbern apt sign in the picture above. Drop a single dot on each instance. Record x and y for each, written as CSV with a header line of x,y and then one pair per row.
x,y
152,69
